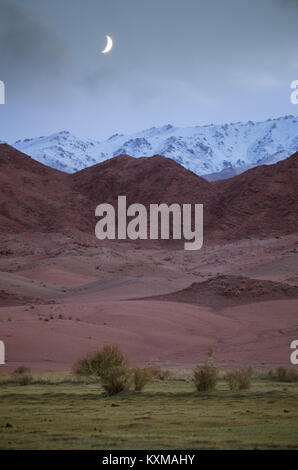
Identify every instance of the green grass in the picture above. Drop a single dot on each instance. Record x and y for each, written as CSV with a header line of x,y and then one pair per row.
x,y
170,415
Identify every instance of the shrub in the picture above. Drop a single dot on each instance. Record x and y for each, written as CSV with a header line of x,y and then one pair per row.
x,y
99,362
22,375
110,365
281,374
21,370
205,377
142,376
239,379
85,366
284,374
162,374
116,380
25,379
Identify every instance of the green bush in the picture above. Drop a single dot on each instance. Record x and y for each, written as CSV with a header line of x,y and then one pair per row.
x,y
239,379
205,377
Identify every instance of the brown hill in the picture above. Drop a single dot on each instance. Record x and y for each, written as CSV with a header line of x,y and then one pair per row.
x,y
229,290
35,197
260,202
143,180
146,180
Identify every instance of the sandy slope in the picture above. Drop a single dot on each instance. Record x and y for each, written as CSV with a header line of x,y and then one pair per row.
x,y
155,332
75,298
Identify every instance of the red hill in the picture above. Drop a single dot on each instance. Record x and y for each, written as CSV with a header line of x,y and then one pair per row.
x,y
260,202
145,180
35,197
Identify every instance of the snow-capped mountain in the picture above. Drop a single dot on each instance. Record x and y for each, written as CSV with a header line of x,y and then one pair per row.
x,y
62,151
211,149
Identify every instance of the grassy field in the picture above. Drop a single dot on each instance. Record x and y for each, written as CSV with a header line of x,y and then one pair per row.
x,y
168,415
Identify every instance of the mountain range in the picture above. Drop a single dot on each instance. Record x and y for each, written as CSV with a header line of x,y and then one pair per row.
x,y
212,151
260,202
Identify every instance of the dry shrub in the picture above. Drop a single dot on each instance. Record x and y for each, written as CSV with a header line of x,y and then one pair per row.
x,y
286,374
162,374
116,379
22,375
142,376
25,379
21,370
239,379
85,366
99,362
110,365
205,377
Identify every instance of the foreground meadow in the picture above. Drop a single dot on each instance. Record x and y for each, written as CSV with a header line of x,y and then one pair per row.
x,y
69,414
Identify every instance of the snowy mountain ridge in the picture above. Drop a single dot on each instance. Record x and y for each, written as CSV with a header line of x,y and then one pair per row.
x,y
222,150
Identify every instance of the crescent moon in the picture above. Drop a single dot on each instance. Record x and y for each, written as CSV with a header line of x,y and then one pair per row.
x,y
109,45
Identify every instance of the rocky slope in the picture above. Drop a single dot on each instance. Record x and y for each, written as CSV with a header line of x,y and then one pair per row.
x,y
262,201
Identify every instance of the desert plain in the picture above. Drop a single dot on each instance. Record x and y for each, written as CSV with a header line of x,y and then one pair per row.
x,y
61,299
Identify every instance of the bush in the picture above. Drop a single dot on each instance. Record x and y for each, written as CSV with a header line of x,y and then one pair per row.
x,y
162,374
116,380
284,374
22,375
25,379
99,362
205,377
110,365
281,374
21,371
142,376
239,379
84,367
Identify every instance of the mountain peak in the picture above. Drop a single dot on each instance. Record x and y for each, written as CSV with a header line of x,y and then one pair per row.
x,y
208,149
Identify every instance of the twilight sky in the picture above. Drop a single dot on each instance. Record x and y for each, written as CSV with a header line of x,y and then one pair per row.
x,y
184,62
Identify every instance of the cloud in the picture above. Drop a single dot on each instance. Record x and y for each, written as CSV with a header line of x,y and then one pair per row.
x,y
26,41
288,3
